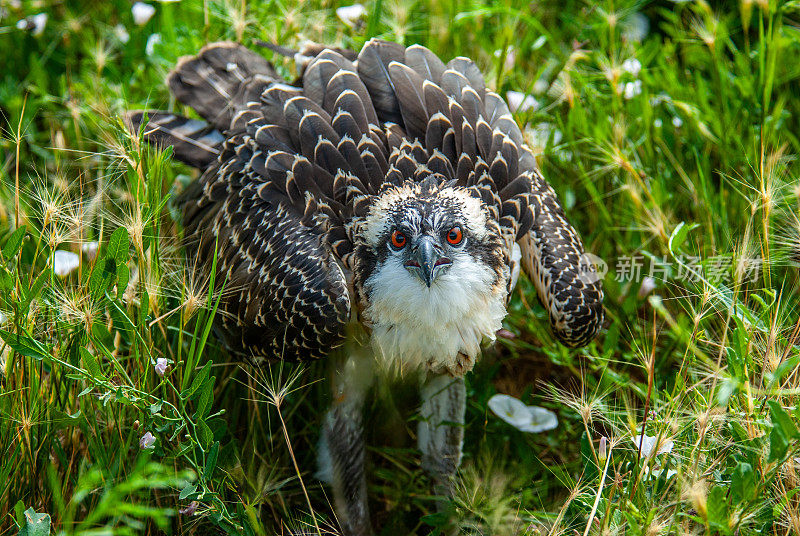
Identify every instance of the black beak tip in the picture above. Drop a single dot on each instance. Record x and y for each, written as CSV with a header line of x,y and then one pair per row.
x,y
427,261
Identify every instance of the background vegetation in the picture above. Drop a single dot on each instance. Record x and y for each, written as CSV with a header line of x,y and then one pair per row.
x,y
685,158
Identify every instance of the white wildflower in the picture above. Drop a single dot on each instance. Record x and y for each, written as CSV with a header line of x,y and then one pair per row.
x,y
632,66
122,33
540,86
632,89
540,133
39,22
511,57
541,420
636,28
657,123
351,15
161,366
653,445
520,416
677,122
34,24
520,102
65,262
648,285
510,409
142,13
90,249
152,41
147,441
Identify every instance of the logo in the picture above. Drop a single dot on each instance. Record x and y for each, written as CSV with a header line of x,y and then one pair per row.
x,y
591,268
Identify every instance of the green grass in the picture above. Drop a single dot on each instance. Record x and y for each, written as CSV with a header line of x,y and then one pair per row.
x,y
698,170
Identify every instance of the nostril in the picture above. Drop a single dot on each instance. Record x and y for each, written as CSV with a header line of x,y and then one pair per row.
x,y
415,264
442,261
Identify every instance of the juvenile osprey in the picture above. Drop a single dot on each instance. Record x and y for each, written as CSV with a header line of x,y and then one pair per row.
x,y
378,209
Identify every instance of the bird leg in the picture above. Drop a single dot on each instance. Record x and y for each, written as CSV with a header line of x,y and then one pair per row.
x,y
341,450
440,433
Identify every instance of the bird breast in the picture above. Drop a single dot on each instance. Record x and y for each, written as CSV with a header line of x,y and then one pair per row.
x,y
440,328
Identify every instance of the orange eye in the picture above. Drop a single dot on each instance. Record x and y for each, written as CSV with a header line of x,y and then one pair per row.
x,y
398,239
454,236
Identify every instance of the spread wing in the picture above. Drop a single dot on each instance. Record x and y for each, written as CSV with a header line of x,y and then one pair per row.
x,y
300,163
285,296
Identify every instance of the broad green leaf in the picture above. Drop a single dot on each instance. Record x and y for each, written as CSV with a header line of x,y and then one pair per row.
x,y
778,444
91,365
187,491
782,419
679,235
204,434
211,461
590,468
717,507
435,520
743,482
118,246
735,362
24,345
6,279
14,243
102,276
31,293
19,513
123,276
198,381
374,18
35,524
205,398
101,336
727,388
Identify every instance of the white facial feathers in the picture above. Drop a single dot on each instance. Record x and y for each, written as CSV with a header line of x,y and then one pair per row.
x,y
378,221
440,327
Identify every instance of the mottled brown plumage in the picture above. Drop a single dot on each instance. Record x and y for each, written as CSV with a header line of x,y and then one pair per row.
x,y
386,194
289,170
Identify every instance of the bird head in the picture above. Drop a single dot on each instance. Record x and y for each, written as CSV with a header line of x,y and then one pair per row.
x,y
429,230
430,264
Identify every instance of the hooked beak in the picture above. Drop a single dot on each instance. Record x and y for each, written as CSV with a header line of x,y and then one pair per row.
x,y
426,260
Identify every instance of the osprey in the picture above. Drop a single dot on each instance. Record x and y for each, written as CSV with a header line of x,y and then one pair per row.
x,y
376,210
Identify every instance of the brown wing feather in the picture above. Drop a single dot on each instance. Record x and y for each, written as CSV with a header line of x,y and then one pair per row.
x,y
211,81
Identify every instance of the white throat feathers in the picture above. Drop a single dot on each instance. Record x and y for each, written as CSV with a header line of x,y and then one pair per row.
x,y
440,327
